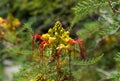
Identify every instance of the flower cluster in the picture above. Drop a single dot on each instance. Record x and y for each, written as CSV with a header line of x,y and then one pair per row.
x,y
40,77
58,39
11,23
2,21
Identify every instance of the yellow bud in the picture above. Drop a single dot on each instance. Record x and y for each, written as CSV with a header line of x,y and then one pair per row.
x,y
67,33
39,75
55,29
59,28
58,24
1,20
16,23
56,34
6,25
50,30
52,39
61,46
61,31
68,46
66,39
45,36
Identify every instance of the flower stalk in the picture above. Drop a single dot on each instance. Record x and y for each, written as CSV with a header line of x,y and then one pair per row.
x,y
58,39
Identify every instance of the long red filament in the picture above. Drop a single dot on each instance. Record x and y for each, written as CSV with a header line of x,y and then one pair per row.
x,y
82,50
36,36
81,45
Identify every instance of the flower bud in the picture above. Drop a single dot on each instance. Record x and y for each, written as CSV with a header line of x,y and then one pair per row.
x,y
52,39
50,30
61,31
67,33
45,36
56,34
1,20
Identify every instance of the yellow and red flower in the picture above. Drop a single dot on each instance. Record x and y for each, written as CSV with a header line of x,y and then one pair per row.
x,y
58,39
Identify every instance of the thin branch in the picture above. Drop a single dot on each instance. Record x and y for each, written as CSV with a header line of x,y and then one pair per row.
x,y
113,9
103,72
111,33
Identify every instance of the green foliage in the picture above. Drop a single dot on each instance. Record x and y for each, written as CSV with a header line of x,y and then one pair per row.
x,y
95,23
88,61
44,12
20,45
92,27
85,7
88,7
27,72
101,34
115,77
117,58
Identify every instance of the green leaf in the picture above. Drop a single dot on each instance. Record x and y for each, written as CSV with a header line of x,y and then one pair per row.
x,y
88,61
117,57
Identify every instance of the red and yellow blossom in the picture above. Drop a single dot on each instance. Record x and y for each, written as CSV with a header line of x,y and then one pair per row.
x,y
10,23
58,39
2,21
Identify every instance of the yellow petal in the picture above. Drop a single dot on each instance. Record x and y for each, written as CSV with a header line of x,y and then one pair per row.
x,y
45,36
1,20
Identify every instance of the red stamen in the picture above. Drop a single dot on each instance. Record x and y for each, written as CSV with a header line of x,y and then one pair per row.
x,y
36,36
4,20
43,43
79,41
58,51
71,41
32,43
82,48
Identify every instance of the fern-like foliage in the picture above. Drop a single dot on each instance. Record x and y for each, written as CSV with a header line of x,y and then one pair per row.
x,y
117,57
89,6
85,7
115,77
88,61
